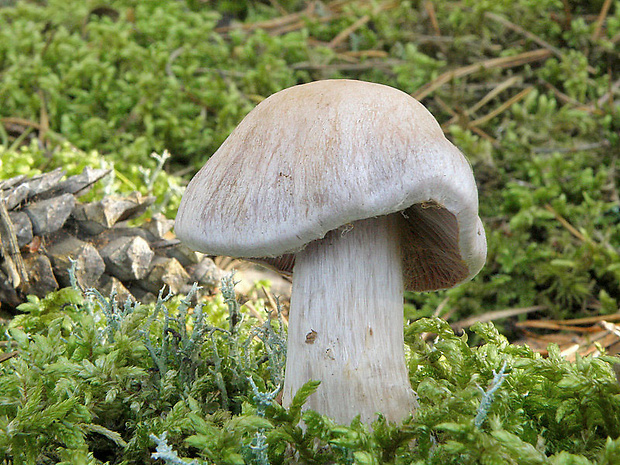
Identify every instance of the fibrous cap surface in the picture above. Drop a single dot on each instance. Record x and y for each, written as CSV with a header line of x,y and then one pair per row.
x,y
317,156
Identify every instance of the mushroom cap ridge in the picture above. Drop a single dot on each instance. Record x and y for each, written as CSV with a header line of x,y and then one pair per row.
x,y
314,157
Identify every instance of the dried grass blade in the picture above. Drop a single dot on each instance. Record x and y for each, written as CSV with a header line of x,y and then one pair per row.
x,y
493,63
601,19
496,315
571,229
501,87
545,324
345,33
432,16
503,107
533,37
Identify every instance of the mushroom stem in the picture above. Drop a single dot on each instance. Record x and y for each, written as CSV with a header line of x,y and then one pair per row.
x,y
346,324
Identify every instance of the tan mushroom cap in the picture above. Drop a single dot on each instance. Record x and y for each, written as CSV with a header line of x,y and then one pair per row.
x,y
317,157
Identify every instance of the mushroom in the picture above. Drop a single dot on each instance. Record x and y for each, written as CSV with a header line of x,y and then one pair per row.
x,y
353,187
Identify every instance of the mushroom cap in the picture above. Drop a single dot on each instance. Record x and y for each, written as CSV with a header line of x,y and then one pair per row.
x,y
316,157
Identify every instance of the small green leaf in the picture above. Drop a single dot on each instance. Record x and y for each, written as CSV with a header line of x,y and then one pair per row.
x,y
454,427
527,453
364,458
300,398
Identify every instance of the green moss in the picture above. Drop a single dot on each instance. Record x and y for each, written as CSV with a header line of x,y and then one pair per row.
x,y
105,382
112,85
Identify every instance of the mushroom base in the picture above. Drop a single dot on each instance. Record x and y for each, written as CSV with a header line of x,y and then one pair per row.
x,y
346,324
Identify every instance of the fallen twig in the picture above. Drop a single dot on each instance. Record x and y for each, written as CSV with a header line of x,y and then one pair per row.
x,y
571,325
609,94
564,222
502,86
493,63
281,21
496,315
576,148
601,19
484,100
558,326
533,37
432,16
368,64
7,356
345,33
9,247
503,107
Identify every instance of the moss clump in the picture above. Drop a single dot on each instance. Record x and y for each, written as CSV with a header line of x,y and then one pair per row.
x,y
107,383
95,378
